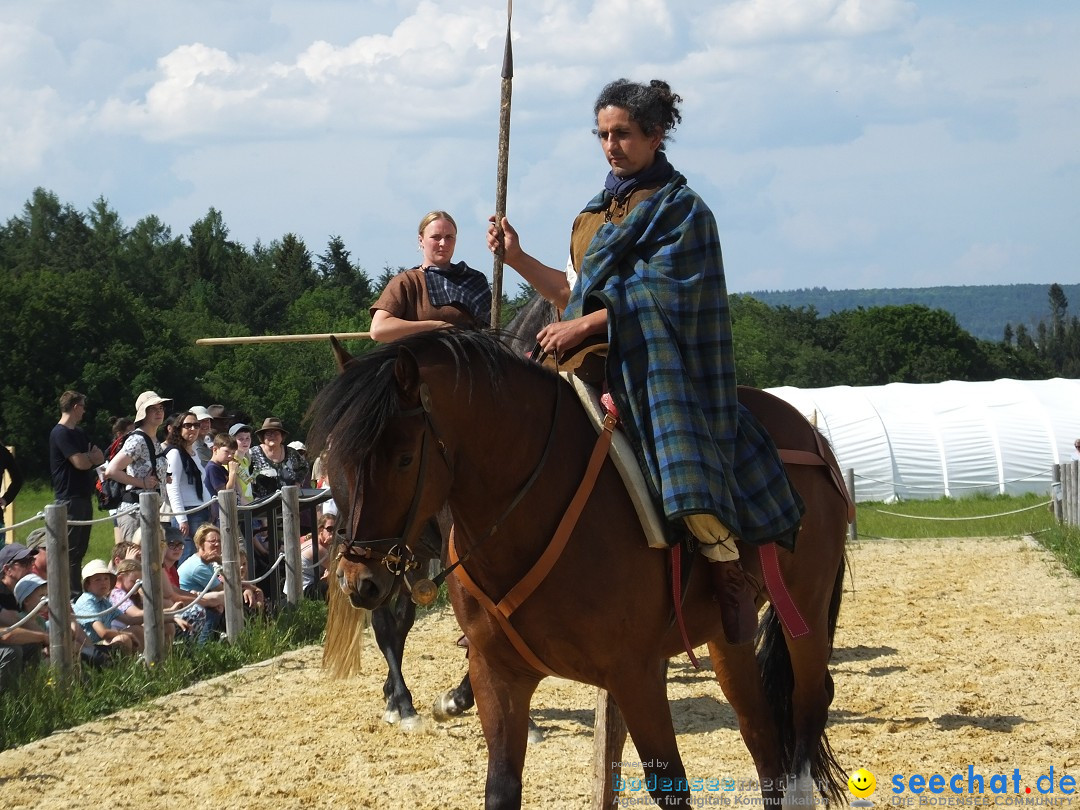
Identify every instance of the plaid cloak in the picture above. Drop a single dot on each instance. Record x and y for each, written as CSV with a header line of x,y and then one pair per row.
x,y
671,368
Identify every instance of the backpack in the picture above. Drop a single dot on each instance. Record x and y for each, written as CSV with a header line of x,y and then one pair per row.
x,y
110,493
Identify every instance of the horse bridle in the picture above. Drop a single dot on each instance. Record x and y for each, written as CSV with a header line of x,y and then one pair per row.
x,y
397,556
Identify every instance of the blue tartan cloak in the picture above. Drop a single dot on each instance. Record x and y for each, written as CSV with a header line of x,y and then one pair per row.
x,y
671,368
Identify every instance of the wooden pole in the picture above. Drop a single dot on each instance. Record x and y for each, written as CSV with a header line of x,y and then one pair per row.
x,y
503,169
294,578
236,341
609,737
155,650
230,564
61,654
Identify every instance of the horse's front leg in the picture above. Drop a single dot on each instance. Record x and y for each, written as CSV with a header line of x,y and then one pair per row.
x,y
391,623
502,701
642,699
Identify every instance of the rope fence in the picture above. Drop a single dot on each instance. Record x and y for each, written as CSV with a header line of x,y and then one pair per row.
x,y
281,513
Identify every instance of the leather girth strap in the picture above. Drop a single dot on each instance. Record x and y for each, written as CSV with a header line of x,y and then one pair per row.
x,y
504,609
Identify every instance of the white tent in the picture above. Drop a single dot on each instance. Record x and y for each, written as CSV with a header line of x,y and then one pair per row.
x,y
908,441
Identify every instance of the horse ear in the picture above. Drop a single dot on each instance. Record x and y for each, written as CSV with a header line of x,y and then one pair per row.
x,y
407,374
342,357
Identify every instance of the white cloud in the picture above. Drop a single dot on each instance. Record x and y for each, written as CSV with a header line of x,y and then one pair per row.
x,y
755,21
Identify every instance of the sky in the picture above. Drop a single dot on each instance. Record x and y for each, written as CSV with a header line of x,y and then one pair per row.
x,y
846,144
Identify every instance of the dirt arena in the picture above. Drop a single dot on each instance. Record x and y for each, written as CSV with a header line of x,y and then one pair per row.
x,y
949,654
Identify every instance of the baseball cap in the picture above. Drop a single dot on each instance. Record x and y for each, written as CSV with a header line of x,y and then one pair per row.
x,y
26,586
239,426
14,552
199,412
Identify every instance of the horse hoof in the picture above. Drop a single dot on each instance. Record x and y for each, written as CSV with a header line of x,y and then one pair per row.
x,y
392,716
445,709
413,725
535,734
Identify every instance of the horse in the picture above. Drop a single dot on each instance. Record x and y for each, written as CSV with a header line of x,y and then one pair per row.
x,y
451,417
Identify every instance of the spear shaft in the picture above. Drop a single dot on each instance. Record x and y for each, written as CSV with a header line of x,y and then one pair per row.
x,y
504,164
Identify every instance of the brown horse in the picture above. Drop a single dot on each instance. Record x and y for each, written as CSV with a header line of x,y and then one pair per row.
x,y
454,417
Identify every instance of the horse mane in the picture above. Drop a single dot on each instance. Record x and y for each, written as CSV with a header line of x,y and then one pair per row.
x,y
356,406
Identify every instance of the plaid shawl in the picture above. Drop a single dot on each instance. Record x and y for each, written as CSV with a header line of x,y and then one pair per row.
x,y
460,284
671,368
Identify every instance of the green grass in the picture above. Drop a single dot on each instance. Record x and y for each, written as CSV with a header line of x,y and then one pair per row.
x,y
39,705
980,516
35,496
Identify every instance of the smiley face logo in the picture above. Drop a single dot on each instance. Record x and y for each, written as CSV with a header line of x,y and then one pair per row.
x,y
862,784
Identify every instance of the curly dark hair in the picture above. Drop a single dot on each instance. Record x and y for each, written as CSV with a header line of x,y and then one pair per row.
x,y
652,107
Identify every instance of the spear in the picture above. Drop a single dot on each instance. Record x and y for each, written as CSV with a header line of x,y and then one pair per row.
x,y
504,162
242,339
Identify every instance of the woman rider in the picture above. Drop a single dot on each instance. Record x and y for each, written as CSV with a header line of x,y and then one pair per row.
x,y
646,272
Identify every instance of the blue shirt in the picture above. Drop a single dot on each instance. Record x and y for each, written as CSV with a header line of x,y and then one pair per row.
x,y
195,574
88,604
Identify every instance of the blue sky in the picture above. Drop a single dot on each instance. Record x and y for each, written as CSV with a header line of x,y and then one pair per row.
x,y
840,143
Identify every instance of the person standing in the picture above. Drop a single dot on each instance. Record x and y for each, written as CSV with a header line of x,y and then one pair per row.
x,y
140,465
646,273
72,460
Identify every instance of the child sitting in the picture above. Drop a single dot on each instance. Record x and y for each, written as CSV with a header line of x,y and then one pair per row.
x,y
97,583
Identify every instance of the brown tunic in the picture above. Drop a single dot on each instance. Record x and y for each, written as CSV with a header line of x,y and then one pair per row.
x,y
588,223
406,297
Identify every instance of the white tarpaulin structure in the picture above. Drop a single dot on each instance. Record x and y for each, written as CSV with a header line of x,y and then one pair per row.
x,y
906,441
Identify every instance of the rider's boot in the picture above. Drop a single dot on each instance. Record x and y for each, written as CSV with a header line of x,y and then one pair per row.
x,y
738,611
732,589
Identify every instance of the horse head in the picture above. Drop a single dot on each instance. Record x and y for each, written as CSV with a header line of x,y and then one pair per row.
x,y
391,473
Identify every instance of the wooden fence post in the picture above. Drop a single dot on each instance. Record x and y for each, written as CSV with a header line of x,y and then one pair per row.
x,y
853,529
1056,493
153,596
61,654
609,736
230,564
290,514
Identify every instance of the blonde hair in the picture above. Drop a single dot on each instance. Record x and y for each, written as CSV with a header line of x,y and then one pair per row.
x,y
435,216
205,529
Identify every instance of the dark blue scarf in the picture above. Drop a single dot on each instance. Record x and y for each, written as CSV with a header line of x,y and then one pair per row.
x,y
655,175
460,284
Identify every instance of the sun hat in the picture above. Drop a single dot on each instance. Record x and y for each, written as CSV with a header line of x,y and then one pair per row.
x,y
145,400
26,586
298,446
36,539
95,567
199,412
238,427
14,552
271,423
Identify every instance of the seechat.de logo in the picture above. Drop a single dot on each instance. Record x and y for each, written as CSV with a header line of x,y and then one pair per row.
x,y
862,785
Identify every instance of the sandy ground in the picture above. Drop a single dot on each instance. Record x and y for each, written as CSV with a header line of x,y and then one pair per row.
x,y
949,654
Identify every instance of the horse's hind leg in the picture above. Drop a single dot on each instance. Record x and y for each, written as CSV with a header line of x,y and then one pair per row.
x,y
391,623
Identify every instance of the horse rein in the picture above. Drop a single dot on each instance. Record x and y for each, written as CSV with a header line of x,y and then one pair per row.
x,y
399,558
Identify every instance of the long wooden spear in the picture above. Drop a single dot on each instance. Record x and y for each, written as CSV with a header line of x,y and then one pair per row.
x,y
233,341
504,164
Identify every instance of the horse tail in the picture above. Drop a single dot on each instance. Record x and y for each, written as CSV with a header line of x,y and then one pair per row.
x,y
774,661
345,626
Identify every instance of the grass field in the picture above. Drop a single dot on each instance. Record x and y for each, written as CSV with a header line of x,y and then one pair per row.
x,y
34,497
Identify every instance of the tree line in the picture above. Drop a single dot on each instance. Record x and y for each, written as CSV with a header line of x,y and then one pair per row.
x,y
90,304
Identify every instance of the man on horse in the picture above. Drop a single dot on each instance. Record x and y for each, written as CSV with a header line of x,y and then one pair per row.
x,y
646,273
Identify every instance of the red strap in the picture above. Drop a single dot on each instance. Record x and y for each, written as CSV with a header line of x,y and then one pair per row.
x,y
676,593
785,606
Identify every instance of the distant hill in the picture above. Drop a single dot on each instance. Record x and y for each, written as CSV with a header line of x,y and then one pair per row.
x,y
983,311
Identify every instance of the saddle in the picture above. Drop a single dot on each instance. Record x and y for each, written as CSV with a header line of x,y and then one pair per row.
x,y
797,441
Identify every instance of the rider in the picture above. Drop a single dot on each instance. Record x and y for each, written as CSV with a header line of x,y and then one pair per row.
x,y
645,271
435,295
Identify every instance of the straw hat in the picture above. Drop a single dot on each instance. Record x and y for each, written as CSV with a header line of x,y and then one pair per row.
x,y
145,400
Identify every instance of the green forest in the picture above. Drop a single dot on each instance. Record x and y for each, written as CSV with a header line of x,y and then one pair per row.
x,y
109,309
